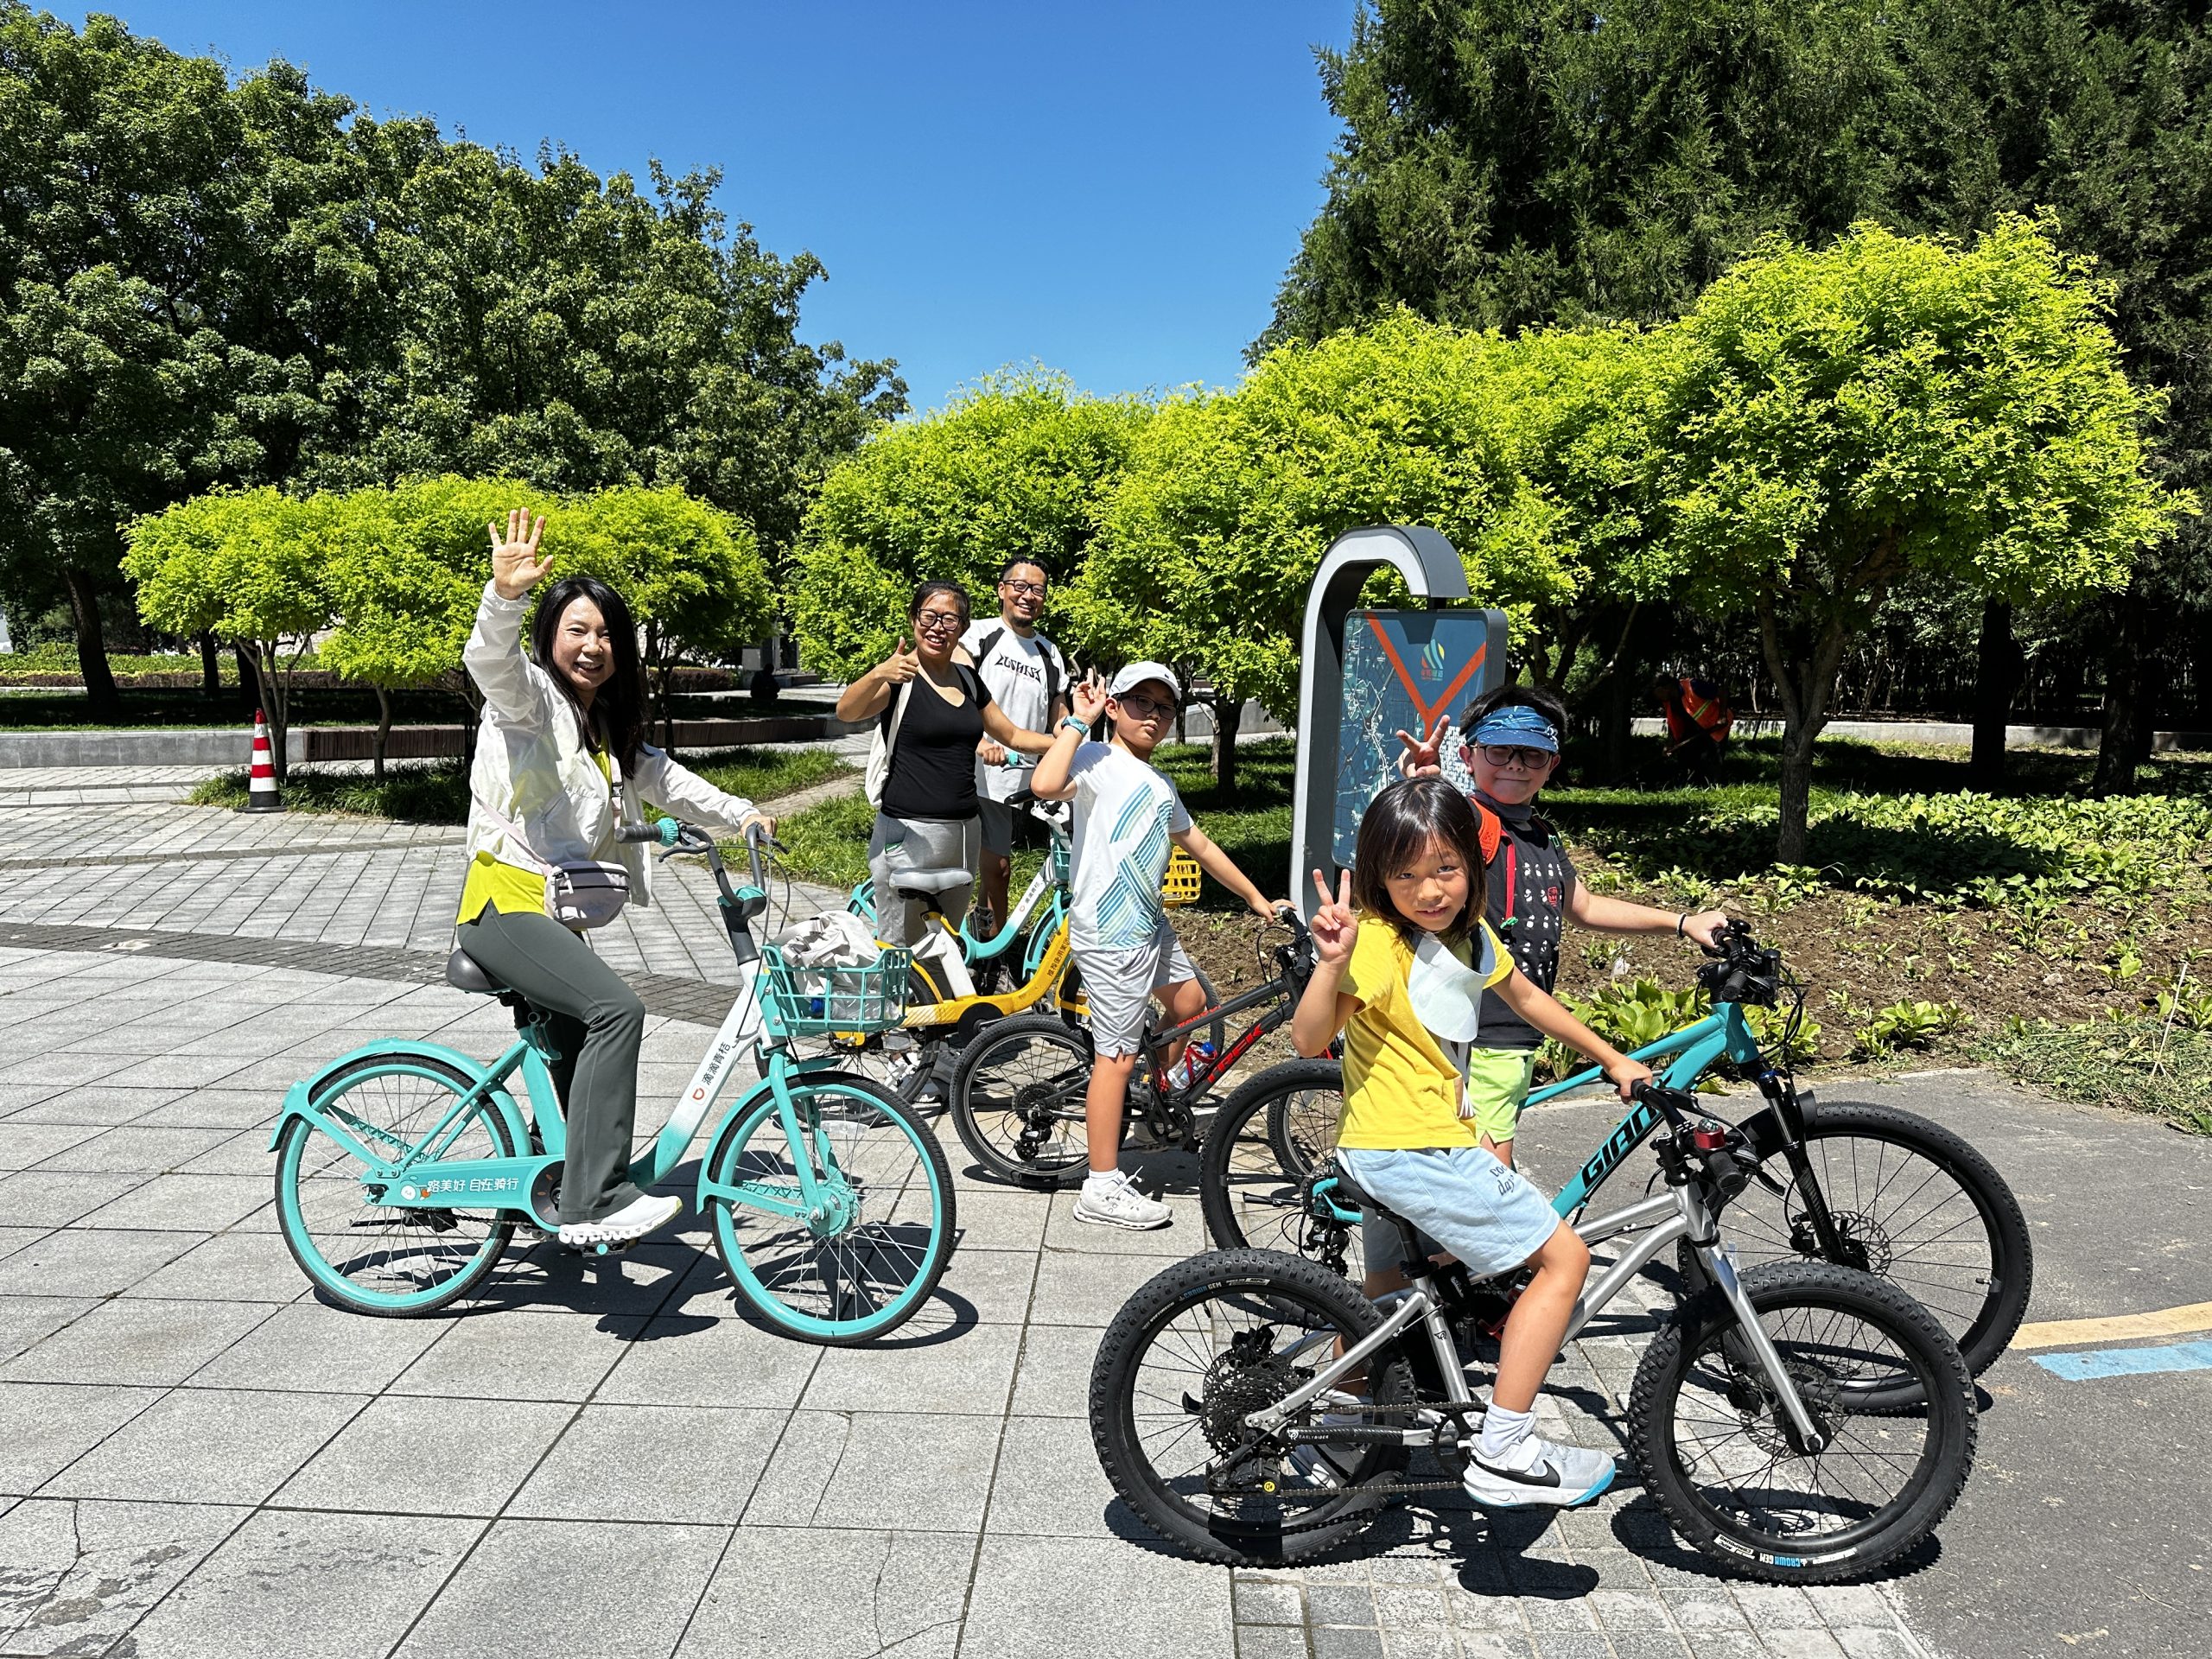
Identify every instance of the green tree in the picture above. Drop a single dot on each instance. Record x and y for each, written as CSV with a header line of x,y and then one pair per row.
x,y
1890,406
582,333
693,574
409,565
1505,164
180,299
1231,499
1020,465
251,565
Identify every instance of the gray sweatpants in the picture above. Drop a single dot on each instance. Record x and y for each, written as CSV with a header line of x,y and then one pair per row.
x,y
903,848
597,1025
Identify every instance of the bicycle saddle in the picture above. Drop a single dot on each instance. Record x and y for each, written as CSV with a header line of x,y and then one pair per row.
x,y
465,973
927,884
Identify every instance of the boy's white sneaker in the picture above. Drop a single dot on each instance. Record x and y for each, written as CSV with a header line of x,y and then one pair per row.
x,y
1114,1201
625,1226
1537,1473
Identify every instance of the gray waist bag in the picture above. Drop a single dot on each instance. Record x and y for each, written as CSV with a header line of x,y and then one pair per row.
x,y
582,894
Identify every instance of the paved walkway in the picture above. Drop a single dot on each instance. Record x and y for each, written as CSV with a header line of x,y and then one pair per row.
x,y
200,1459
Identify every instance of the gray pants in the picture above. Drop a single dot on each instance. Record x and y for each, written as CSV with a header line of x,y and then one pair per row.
x,y
597,1024
919,865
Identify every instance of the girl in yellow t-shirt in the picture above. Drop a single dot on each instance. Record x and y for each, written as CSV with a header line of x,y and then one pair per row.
x,y
1402,980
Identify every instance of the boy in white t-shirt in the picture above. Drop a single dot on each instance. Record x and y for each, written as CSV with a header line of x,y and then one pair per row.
x,y
1028,678
1127,815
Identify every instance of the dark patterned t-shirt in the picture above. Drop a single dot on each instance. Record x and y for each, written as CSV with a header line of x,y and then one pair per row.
x,y
1530,883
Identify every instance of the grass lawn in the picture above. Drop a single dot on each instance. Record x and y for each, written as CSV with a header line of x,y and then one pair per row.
x,y
414,793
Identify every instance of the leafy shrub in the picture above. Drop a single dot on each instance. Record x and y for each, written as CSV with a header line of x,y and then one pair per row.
x,y
1630,1016
1905,1024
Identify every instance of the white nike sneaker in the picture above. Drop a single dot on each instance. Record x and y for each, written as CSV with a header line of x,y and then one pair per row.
x,y
625,1226
1115,1201
1538,1474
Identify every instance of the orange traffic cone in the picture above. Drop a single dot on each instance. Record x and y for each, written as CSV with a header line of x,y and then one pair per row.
x,y
261,786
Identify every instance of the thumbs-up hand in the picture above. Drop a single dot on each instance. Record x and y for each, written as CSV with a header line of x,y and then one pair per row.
x,y
901,666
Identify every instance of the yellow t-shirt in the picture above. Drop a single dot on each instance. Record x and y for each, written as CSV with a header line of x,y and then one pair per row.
x,y
509,888
1401,1093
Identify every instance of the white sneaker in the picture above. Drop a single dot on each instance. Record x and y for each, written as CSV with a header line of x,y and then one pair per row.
x,y
625,1226
1115,1201
1537,1473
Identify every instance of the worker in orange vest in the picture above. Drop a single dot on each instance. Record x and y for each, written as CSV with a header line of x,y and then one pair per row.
x,y
1698,721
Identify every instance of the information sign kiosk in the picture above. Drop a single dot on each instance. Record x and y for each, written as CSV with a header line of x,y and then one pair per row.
x,y
1366,674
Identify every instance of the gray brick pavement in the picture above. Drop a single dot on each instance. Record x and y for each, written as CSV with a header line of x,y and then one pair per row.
x,y
200,1458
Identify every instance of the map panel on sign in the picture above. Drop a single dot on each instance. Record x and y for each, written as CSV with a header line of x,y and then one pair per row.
x,y
1402,669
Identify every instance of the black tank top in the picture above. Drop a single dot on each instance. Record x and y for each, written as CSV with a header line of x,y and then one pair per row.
x,y
933,762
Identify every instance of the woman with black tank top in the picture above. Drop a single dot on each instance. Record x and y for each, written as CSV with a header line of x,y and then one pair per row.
x,y
927,844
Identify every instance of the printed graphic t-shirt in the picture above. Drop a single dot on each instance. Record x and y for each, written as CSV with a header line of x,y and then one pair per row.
x,y
1016,672
1531,880
1401,1093
1124,813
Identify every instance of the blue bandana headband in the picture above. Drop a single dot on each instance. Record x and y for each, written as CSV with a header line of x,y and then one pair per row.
x,y
1517,725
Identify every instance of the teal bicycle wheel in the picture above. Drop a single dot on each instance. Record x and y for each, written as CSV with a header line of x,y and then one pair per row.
x,y
863,1270
390,1262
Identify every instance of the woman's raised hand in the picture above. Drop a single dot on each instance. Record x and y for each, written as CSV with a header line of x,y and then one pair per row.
x,y
1424,756
901,666
1334,926
516,567
1088,699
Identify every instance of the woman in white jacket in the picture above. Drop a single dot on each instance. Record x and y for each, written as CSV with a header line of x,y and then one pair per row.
x,y
560,744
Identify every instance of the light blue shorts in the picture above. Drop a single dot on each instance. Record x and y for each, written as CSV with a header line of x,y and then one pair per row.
x,y
1485,1212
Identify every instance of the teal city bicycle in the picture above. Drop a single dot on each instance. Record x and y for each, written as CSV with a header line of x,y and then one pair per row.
x,y
403,1168
1868,1187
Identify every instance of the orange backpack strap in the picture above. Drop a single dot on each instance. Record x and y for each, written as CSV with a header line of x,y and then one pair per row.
x,y
1492,830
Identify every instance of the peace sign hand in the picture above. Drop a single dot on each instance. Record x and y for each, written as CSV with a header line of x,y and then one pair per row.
x,y
516,567
902,665
1088,699
1424,757
1334,927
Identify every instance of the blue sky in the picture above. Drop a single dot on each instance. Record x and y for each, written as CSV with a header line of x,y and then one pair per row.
x,y
1114,189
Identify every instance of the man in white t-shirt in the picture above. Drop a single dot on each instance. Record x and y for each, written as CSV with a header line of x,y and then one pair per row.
x,y
1028,678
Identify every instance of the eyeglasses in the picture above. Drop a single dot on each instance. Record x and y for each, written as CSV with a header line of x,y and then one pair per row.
x,y
1146,709
1033,589
1512,755
940,621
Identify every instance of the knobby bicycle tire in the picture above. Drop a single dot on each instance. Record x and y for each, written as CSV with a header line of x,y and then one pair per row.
x,y
1265,1097
1267,1280
1697,1343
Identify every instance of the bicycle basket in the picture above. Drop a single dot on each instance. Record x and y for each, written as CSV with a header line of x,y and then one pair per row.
x,y
811,1001
1180,884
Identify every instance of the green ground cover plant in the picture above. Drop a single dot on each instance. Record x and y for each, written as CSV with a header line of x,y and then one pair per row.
x,y
439,793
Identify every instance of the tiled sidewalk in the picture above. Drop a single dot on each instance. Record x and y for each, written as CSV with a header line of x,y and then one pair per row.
x,y
196,1458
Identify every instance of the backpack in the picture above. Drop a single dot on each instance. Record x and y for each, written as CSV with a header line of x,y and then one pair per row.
x,y
989,643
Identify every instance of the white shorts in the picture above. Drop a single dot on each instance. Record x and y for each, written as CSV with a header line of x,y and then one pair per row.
x,y
1119,983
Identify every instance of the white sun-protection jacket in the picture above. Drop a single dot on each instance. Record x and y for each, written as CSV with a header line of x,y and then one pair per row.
x,y
532,764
